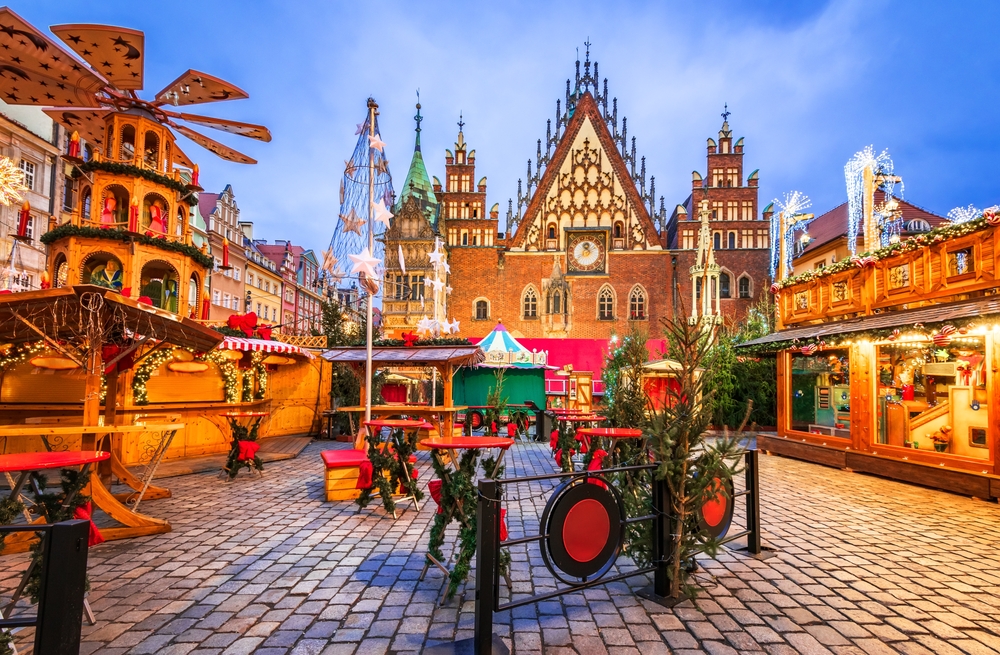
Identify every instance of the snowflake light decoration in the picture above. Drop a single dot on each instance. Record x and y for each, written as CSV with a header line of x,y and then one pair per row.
x,y
960,215
793,208
854,172
11,182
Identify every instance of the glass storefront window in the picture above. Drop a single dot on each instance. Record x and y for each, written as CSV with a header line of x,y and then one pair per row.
x,y
821,394
933,396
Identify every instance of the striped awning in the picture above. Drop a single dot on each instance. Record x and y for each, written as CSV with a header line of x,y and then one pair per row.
x,y
263,346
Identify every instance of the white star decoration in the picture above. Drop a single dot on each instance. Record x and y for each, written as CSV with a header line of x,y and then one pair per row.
x,y
447,268
436,257
447,289
364,263
453,326
402,261
361,128
382,215
376,142
437,284
352,222
425,326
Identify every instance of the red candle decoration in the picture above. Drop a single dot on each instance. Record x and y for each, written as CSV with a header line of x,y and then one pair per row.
x,y
194,176
22,220
205,307
225,253
74,145
133,216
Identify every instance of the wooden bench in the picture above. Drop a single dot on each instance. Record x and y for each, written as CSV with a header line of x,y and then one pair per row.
x,y
342,473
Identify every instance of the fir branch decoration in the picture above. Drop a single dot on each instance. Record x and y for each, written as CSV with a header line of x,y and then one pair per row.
x,y
112,234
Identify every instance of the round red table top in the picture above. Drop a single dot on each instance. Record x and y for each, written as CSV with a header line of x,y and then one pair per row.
x,y
244,414
612,433
583,418
445,443
562,410
56,460
394,423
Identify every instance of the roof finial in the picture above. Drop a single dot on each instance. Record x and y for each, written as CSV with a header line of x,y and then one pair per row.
x,y
586,43
725,112
418,118
461,123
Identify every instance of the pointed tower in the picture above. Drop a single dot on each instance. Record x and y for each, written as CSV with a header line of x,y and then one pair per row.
x,y
463,203
705,296
411,231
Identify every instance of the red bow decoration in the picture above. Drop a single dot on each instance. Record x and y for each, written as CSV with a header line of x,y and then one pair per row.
x,y
503,525
245,322
434,486
554,439
596,464
264,332
145,300
126,291
511,430
409,338
84,513
558,457
248,450
365,470
109,351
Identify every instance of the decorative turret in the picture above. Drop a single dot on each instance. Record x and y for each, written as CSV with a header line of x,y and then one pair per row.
x,y
417,185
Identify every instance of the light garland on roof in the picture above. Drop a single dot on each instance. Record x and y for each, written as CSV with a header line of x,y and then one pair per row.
x,y
12,182
854,174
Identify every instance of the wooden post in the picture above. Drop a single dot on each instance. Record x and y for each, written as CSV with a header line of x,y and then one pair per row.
x,y
863,396
993,397
783,362
447,374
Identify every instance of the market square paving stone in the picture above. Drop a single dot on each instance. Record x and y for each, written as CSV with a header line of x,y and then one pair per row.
x,y
265,566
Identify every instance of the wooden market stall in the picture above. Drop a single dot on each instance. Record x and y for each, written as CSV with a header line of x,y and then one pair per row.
x,y
888,362
446,359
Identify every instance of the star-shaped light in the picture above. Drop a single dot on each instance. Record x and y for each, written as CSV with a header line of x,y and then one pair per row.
x,y
364,263
447,267
382,215
361,128
436,257
352,222
425,326
453,326
448,289
329,261
437,284
402,261
376,142
382,166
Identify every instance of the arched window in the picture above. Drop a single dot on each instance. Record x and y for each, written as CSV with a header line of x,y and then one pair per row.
x,y
717,241
181,219
86,197
151,150
744,286
530,303
114,206
606,304
724,285
637,304
102,269
482,310
154,214
127,151
732,241
193,297
618,230
552,231
62,272
697,287
158,282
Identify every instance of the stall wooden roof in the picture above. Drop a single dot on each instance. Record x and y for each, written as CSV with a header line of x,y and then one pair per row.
x,y
899,319
414,356
66,314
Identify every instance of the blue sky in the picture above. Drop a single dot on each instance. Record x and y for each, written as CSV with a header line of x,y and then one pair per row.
x,y
808,84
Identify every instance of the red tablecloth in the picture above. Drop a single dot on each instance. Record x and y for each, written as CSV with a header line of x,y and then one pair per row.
x,y
57,460
468,442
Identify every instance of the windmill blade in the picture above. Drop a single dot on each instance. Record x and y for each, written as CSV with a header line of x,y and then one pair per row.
x,y
258,132
116,52
181,158
193,88
223,151
34,70
89,122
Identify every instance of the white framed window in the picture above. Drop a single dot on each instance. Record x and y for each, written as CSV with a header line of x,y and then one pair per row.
x,y
226,300
30,231
216,297
29,174
236,273
687,240
236,303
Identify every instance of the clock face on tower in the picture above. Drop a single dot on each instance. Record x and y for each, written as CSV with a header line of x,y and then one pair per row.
x,y
587,251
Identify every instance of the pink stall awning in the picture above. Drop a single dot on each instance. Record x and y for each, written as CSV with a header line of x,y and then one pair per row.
x,y
262,345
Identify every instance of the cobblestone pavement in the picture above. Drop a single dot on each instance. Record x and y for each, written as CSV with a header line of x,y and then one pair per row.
x,y
266,566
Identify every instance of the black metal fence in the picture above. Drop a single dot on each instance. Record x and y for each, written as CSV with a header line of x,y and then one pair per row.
x,y
489,545
62,585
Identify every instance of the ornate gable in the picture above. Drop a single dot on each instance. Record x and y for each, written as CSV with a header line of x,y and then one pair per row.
x,y
586,184
410,229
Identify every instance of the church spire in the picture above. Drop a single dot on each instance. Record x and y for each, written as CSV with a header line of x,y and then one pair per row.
x,y
417,183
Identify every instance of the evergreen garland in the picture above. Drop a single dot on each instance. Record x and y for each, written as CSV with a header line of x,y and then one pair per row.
x,y
129,170
496,404
9,509
240,433
457,487
114,234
